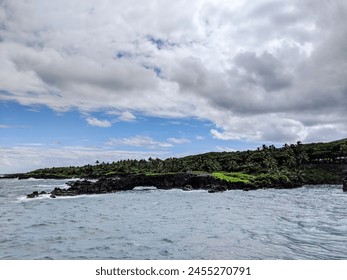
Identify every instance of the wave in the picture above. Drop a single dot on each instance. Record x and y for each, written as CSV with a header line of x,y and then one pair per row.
x,y
51,186
184,191
33,179
48,179
41,196
77,196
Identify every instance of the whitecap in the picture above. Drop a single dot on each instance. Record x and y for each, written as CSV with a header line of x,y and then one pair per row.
x,y
78,196
41,196
144,188
33,179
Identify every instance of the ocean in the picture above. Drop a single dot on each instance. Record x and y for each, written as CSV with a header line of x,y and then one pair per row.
x,y
150,224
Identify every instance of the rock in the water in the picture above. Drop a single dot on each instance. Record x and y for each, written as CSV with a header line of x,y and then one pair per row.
x,y
344,184
33,194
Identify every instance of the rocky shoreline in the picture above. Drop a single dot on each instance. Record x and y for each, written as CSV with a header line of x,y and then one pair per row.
x,y
184,181
23,176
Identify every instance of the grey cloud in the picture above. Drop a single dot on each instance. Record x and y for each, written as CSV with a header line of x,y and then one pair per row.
x,y
281,13
58,71
265,70
190,74
320,133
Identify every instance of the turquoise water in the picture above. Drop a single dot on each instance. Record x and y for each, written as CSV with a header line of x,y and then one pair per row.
x,y
304,223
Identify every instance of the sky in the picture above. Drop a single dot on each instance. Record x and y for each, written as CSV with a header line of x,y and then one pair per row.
x,y
87,80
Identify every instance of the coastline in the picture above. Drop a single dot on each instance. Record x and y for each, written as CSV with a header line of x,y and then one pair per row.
x,y
290,166
184,181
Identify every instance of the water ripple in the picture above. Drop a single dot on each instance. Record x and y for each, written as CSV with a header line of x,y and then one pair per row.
x,y
305,223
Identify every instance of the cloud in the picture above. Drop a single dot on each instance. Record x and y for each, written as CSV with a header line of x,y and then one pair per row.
x,y
279,130
101,123
127,116
178,140
4,126
222,136
225,149
258,70
139,141
264,70
23,159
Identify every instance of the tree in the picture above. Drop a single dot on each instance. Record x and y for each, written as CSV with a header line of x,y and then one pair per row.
x,y
301,155
232,165
290,158
210,165
270,162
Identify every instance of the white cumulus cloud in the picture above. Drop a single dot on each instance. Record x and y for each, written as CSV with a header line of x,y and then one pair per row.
x,y
139,141
178,140
96,122
127,116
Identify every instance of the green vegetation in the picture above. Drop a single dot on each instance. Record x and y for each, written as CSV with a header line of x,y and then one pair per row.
x,y
307,163
319,175
282,177
156,174
233,177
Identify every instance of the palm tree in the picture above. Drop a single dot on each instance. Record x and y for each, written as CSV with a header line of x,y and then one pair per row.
x,y
290,160
301,155
270,162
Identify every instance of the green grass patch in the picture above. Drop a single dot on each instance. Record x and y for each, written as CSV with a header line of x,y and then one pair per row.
x,y
233,177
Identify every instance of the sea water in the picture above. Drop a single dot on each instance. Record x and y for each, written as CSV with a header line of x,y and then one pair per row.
x,y
146,223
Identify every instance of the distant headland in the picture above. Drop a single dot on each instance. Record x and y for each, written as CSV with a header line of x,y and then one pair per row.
x,y
290,166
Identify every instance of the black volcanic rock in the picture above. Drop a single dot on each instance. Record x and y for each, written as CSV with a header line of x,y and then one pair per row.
x,y
184,181
217,188
33,194
344,184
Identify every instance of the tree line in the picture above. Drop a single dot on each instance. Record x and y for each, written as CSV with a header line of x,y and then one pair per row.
x,y
265,159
